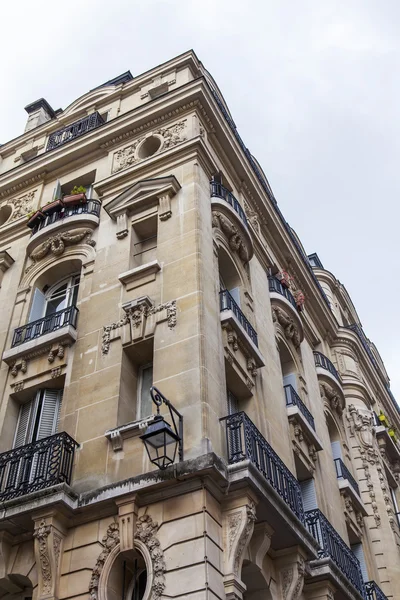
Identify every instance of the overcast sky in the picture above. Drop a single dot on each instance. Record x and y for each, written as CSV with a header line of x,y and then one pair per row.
x,y
313,87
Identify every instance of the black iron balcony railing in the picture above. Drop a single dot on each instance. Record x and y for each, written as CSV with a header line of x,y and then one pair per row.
x,y
373,591
342,472
75,130
36,466
332,545
226,302
276,286
219,191
47,324
91,207
244,441
323,361
293,399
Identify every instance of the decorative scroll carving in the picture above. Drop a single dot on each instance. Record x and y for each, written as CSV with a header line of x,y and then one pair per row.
x,y
292,579
235,343
48,547
333,398
289,326
238,529
146,530
235,240
109,541
56,243
136,317
22,205
41,534
386,495
171,136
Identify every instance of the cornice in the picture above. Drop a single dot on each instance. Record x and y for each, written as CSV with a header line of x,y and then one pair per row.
x,y
13,189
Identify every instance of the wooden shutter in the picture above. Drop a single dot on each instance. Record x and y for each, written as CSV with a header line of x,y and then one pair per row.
x,y
308,494
358,552
24,425
50,410
38,306
233,405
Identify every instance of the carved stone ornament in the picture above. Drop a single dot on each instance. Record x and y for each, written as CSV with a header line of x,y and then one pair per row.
x,y
236,344
333,398
109,541
56,243
288,324
169,137
234,237
48,546
22,205
238,529
292,579
137,318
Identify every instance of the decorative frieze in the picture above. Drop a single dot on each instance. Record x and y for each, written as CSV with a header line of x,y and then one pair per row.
x,y
56,244
22,205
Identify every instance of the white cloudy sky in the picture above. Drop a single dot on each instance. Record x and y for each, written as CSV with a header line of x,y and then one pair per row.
x,y
312,85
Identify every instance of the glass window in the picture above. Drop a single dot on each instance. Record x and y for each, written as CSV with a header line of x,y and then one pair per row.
x,y
145,383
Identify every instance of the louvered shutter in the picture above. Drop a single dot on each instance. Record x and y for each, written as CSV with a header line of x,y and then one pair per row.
x,y
49,413
358,552
336,450
38,306
23,427
233,405
308,494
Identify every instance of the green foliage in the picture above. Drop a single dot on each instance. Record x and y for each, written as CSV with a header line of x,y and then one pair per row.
x,y
78,190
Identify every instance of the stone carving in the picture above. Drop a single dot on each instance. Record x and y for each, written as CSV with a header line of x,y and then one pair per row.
x,y
361,425
56,243
235,343
109,541
58,351
171,136
232,233
386,495
22,205
18,387
292,580
244,537
289,327
146,530
331,395
136,316
56,372
21,366
41,534
234,521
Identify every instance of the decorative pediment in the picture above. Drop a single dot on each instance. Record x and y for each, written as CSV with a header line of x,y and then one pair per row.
x,y
141,195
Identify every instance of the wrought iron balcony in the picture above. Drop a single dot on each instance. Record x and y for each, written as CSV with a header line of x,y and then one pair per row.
x,y
323,361
373,591
91,207
276,286
75,130
293,399
36,466
47,324
219,191
332,545
226,302
342,472
244,441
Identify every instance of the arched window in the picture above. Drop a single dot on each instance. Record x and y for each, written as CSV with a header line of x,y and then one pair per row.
x,y
229,278
53,299
128,577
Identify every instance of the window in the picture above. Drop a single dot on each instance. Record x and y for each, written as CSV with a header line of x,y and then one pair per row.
x,y
145,404
308,494
358,552
58,297
38,418
144,240
395,504
233,403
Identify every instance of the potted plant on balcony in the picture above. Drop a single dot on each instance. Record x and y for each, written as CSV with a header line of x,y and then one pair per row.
x,y
34,218
300,299
284,278
392,433
52,207
77,196
382,418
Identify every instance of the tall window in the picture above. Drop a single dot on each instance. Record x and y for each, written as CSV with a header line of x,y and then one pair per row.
x,y
38,418
145,403
58,297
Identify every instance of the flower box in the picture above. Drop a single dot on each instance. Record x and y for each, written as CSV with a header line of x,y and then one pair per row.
x,y
52,207
300,299
392,433
284,278
382,418
35,219
74,199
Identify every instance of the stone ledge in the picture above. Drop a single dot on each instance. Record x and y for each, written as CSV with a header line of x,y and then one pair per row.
x,y
140,275
117,435
65,336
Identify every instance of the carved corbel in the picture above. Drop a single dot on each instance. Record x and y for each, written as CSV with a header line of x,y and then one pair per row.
x,y
127,516
49,536
291,567
260,543
122,226
238,526
164,211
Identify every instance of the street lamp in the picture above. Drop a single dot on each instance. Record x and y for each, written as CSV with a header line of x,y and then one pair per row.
x,y
161,440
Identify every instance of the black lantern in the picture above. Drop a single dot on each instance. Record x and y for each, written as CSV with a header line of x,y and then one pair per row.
x,y
161,440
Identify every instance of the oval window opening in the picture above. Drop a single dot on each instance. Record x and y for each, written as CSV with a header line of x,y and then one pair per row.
x,y
128,577
149,147
5,214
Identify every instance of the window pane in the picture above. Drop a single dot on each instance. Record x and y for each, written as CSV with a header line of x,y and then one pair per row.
x,y
146,403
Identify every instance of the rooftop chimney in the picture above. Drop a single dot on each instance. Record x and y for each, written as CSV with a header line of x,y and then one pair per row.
x,y
39,112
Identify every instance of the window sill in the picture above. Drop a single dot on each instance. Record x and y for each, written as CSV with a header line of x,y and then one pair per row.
x,y
117,435
140,275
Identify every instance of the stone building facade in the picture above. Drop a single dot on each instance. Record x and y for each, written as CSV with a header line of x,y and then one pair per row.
x,y
141,245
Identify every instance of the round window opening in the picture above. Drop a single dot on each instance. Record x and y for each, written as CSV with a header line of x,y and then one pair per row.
x,y
149,147
128,577
5,214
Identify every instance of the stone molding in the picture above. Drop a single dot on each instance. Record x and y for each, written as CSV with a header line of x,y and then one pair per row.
x,y
6,261
289,327
110,541
236,240
238,526
49,541
56,244
334,400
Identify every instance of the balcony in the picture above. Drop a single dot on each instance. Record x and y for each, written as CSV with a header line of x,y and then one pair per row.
x,y
293,399
343,473
373,591
323,362
59,327
286,312
276,287
332,546
230,217
226,302
36,466
73,131
92,207
244,441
